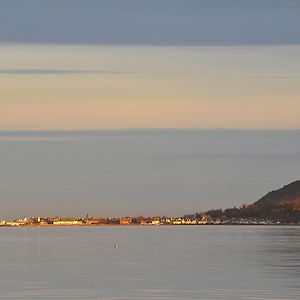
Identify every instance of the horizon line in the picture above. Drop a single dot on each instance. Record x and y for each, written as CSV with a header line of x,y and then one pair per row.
x,y
144,45
143,129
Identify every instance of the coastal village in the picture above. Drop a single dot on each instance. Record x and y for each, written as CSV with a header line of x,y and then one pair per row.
x,y
196,219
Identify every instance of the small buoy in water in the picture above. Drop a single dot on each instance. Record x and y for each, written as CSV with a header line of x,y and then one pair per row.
x,y
115,245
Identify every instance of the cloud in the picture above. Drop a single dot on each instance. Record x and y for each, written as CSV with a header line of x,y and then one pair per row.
x,y
60,72
274,77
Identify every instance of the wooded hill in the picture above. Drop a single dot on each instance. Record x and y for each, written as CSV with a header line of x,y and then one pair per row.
x,y
282,204
286,198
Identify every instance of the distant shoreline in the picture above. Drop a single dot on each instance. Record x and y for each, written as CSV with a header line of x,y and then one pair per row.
x,y
146,225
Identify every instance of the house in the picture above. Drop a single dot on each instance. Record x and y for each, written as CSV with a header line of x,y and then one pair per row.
x,y
125,221
67,222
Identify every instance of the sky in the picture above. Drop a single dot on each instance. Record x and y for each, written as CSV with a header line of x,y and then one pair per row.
x,y
155,22
130,66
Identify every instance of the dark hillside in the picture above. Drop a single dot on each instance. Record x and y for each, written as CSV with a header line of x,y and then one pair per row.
x,y
283,199
289,192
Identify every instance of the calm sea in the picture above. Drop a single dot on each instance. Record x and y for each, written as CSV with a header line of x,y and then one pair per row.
x,y
196,262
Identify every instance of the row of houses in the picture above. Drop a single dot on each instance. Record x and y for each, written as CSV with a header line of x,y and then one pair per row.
x,y
156,220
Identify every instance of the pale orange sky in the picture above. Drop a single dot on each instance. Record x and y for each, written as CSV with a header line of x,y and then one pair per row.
x,y
97,87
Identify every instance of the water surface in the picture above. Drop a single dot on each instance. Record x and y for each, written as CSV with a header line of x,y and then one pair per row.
x,y
178,262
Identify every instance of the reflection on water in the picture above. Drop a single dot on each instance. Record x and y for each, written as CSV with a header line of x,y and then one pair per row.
x,y
280,257
197,262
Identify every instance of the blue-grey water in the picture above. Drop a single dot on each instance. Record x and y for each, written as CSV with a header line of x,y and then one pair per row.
x,y
178,262
155,171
